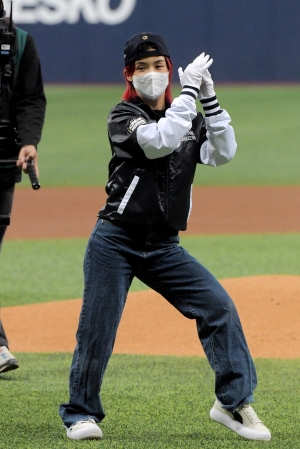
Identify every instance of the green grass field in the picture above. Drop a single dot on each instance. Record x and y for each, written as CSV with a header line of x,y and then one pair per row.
x,y
58,273
151,402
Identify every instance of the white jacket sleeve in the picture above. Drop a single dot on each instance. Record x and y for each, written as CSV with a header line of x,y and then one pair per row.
x,y
221,146
162,138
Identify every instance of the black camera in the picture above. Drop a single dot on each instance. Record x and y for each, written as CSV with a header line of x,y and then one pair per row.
x,y
7,36
2,10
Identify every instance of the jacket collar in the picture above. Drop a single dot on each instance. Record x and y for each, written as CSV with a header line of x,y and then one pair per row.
x,y
155,115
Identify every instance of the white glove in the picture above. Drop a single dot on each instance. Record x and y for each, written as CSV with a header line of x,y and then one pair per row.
x,y
207,86
180,74
192,76
208,97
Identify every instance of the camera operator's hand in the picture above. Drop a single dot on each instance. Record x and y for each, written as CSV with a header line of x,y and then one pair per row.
x,y
28,153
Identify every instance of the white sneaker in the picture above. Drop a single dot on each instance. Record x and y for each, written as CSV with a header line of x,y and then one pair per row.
x,y
84,430
244,421
7,360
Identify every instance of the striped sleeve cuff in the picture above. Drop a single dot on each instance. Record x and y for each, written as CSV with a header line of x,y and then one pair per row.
x,y
190,91
211,106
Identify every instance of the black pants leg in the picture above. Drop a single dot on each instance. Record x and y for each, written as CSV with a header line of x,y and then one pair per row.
x,y
3,338
6,201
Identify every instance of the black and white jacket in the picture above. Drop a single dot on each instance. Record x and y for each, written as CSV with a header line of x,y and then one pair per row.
x,y
154,158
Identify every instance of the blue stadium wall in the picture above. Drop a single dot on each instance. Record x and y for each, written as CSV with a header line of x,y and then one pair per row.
x,y
82,41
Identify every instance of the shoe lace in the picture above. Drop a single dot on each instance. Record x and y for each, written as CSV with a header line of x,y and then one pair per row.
x,y
4,353
249,411
83,421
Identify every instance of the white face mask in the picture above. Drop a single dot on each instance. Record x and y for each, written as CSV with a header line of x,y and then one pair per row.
x,y
151,85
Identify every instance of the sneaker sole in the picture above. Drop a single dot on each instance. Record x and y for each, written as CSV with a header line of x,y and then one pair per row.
x,y
85,437
11,365
243,431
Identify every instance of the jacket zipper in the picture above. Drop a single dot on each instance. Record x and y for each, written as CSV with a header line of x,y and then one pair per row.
x,y
167,193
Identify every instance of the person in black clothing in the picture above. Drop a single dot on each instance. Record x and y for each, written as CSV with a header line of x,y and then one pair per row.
x,y
23,105
156,146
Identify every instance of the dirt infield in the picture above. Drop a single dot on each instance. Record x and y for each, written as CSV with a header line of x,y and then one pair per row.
x,y
71,212
269,306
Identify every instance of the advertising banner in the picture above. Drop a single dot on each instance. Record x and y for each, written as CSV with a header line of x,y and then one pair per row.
x,y
82,41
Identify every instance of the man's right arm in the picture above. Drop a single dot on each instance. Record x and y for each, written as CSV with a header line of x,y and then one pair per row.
x,y
31,100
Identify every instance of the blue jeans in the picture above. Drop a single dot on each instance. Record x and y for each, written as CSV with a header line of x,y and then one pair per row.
x,y
115,255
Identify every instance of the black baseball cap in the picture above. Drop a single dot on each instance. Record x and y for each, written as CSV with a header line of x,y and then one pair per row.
x,y
132,53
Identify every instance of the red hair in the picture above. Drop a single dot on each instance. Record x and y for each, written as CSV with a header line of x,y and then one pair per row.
x,y
130,90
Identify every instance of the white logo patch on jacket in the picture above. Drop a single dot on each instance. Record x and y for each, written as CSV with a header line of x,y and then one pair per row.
x,y
134,123
189,136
